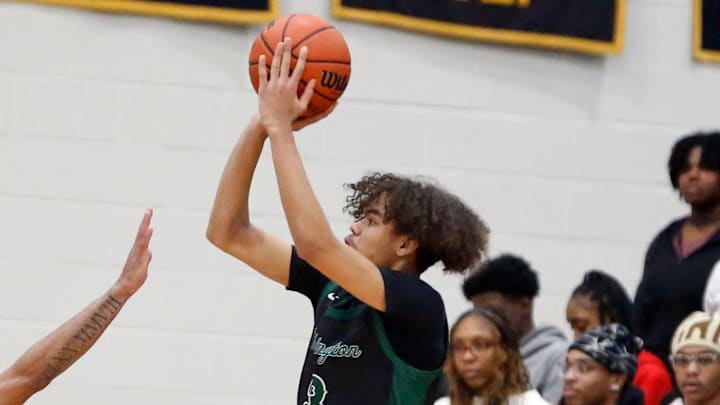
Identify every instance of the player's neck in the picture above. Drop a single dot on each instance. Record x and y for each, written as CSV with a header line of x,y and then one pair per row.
x,y
406,266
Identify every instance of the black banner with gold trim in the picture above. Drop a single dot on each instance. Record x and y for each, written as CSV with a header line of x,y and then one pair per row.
x,y
595,26
706,38
226,11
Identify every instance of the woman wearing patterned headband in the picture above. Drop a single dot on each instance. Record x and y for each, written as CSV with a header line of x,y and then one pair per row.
x,y
600,367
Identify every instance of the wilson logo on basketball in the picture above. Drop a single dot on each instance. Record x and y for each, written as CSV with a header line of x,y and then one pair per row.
x,y
328,60
333,80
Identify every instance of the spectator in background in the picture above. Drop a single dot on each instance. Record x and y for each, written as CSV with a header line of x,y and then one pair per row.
x,y
484,365
679,260
696,359
599,300
600,368
508,285
711,303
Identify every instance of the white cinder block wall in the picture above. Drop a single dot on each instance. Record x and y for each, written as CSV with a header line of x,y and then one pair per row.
x,y
103,115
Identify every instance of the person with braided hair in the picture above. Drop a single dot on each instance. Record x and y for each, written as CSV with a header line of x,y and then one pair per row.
x,y
599,300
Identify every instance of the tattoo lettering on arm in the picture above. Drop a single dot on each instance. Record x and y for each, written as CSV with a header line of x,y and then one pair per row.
x,y
81,341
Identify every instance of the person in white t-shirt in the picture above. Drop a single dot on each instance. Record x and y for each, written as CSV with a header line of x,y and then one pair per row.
x,y
484,366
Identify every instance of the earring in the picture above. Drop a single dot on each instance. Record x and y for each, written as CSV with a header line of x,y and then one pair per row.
x,y
614,388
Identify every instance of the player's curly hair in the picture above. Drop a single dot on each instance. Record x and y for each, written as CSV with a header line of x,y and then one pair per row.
x,y
445,228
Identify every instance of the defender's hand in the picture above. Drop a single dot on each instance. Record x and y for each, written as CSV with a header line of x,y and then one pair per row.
x,y
135,271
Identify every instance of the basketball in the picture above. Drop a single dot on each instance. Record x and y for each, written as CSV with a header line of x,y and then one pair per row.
x,y
328,58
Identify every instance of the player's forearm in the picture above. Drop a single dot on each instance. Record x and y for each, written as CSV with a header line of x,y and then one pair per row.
x,y
52,355
230,211
307,221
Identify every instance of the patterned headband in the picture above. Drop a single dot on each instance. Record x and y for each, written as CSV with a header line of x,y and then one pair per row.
x,y
613,346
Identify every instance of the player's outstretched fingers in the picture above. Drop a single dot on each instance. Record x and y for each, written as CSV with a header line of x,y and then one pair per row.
x,y
142,239
286,58
307,94
262,72
300,65
275,66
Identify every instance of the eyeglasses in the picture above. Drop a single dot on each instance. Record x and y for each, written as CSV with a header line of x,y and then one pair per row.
x,y
476,347
702,359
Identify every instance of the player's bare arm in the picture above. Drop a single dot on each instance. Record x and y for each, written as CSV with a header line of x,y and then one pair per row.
x,y
279,107
230,228
48,358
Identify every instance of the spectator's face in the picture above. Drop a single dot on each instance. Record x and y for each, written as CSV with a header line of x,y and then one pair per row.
x,y
582,314
477,351
697,371
587,381
696,184
515,309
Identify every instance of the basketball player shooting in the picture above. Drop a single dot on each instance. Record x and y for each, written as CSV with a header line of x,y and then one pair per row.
x,y
380,332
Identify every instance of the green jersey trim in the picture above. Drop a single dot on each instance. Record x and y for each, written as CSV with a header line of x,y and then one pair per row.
x,y
341,314
410,384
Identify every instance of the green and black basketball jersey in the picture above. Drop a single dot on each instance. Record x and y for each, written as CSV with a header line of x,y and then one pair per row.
x,y
358,355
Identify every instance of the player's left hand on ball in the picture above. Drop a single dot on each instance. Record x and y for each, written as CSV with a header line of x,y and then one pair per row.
x,y
301,123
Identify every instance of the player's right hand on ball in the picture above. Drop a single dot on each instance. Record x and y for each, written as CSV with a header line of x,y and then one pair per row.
x,y
279,104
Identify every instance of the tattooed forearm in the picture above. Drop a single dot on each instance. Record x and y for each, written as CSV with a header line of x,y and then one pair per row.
x,y
83,339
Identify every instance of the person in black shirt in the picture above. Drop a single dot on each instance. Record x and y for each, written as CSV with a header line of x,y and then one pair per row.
x,y
380,333
679,259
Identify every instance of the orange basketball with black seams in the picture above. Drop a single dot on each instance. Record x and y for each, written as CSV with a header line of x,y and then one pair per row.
x,y
328,60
